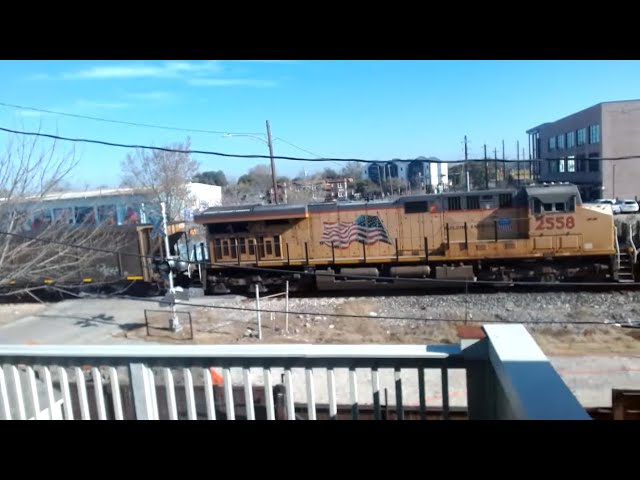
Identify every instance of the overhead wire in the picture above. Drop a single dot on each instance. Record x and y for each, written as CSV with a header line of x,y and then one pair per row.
x,y
122,122
279,157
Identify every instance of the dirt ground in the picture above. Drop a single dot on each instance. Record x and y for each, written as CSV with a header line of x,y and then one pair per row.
x,y
217,326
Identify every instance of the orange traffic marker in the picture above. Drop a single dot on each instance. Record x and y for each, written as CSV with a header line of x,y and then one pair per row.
x,y
216,379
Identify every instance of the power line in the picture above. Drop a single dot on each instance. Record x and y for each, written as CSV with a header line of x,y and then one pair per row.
x,y
303,150
299,148
122,122
279,157
327,274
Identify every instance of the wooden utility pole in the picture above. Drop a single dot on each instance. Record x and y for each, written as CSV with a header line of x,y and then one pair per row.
x,y
273,165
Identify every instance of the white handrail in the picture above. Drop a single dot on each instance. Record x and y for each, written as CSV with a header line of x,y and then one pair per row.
x,y
615,233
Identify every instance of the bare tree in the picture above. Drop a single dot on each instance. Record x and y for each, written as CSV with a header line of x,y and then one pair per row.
x,y
36,245
257,179
165,174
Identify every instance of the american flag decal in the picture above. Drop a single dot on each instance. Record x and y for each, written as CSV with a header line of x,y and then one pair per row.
x,y
368,229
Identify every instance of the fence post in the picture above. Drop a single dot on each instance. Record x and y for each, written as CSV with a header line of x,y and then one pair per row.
x,y
141,391
286,307
258,311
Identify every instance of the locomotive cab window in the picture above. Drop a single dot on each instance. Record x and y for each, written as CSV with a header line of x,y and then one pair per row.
x,y
553,207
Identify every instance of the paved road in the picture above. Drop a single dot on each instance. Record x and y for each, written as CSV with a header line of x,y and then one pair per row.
x,y
83,322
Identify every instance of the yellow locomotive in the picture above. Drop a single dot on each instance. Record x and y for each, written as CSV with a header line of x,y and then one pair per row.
x,y
541,233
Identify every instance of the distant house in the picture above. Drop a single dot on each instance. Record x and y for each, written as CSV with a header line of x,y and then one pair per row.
x,y
339,188
422,174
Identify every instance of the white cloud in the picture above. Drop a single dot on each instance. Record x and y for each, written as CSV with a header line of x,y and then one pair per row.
x,y
100,105
30,113
40,76
267,61
175,69
155,95
231,82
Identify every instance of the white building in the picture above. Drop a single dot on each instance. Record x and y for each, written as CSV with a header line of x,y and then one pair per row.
x,y
113,205
204,196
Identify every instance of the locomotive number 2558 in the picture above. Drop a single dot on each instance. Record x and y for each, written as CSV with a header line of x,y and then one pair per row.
x,y
555,223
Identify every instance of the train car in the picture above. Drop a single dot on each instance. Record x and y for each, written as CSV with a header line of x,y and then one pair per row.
x,y
114,257
541,233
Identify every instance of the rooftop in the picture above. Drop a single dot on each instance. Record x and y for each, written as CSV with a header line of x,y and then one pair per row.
x,y
542,125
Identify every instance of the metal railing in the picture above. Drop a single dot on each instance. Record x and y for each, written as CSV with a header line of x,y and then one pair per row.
x,y
283,381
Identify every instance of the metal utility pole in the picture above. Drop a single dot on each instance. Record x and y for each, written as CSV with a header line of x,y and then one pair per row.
x,y
504,166
495,162
486,168
273,165
175,323
518,157
466,157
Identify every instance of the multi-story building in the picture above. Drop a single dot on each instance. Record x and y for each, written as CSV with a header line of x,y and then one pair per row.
x,y
339,188
582,149
422,174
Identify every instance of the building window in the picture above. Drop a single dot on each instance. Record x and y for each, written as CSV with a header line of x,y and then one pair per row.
x,y
560,141
582,133
85,215
552,143
571,164
107,214
571,139
561,165
553,166
594,162
594,134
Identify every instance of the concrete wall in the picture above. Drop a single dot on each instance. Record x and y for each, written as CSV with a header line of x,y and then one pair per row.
x,y
621,137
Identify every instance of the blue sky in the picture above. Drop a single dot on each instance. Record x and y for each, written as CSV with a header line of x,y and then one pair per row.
x,y
363,109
